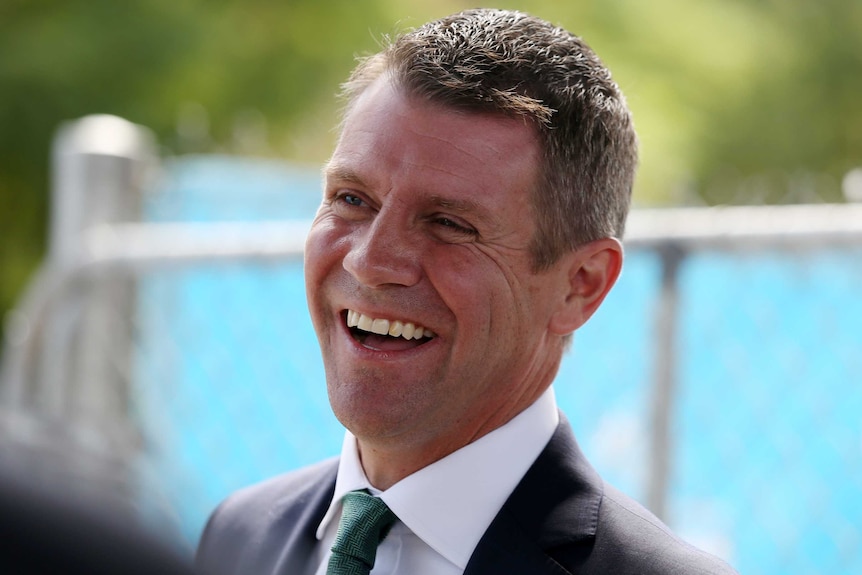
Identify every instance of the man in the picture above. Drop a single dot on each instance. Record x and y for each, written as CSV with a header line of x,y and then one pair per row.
x,y
469,225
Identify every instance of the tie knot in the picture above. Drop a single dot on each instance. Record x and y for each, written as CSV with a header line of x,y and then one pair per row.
x,y
365,521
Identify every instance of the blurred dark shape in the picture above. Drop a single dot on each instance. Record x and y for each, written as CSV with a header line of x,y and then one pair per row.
x,y
69,503
47,525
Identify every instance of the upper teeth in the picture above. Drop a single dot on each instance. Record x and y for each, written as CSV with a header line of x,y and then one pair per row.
x,y
394,328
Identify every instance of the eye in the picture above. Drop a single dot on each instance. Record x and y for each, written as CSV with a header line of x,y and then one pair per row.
x,y
348,200
447,223
351,199
350,205
451,225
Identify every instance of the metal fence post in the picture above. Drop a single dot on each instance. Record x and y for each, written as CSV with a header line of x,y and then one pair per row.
x,y
664,384
100,166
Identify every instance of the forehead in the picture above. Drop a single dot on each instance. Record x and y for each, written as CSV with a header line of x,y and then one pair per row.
x,y
390,139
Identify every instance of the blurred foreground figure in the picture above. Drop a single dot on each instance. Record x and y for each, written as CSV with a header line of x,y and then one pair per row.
x,y
470,224
45,529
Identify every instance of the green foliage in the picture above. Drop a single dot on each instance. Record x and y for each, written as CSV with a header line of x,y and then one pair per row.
x,y
734,100
795,122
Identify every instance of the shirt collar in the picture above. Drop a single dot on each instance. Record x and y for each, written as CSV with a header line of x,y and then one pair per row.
x,y
436,503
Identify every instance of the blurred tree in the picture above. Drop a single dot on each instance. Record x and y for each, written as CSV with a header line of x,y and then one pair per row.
x,y
794,126
736,101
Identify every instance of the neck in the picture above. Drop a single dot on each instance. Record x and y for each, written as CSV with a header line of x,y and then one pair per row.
x,y
386,461
386,465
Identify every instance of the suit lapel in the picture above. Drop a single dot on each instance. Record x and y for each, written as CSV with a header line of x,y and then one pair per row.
x,y
506,549
299,515
553,510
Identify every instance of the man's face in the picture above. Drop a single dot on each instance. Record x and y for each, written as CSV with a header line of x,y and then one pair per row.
x,y
426,223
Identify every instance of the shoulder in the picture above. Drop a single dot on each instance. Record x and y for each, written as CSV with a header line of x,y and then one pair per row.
x,y
564,511
267,498
256,525
630,539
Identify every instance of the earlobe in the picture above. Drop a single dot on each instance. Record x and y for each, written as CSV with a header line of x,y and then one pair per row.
x,y
592,271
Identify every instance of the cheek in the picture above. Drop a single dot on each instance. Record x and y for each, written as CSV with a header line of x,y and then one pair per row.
x,y
321,259
474,290
457,276
323,248
312,264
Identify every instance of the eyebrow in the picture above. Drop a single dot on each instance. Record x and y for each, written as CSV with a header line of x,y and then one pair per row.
x,y
457,205
342,173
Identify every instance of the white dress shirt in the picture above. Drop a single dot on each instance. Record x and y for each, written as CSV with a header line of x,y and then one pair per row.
x,y
444,509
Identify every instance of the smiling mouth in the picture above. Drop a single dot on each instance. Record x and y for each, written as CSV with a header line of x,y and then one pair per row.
x,y
386,334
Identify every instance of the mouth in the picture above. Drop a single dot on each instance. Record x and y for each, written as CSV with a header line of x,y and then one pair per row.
x,y
386,334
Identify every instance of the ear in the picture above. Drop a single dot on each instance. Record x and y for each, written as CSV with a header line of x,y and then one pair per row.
x,y
592,271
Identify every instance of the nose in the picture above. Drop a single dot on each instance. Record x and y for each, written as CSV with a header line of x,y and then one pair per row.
x,y
384,254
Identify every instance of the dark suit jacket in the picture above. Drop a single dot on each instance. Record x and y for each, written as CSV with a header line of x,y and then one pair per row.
x,y
561,519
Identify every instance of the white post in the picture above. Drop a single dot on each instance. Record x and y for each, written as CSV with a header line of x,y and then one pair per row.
x,y
100,166
68,360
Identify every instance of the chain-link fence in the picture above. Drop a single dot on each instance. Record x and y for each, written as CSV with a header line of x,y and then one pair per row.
x,y
720,383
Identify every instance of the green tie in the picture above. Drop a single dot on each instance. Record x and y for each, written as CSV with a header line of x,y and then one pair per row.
x,y
365,521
